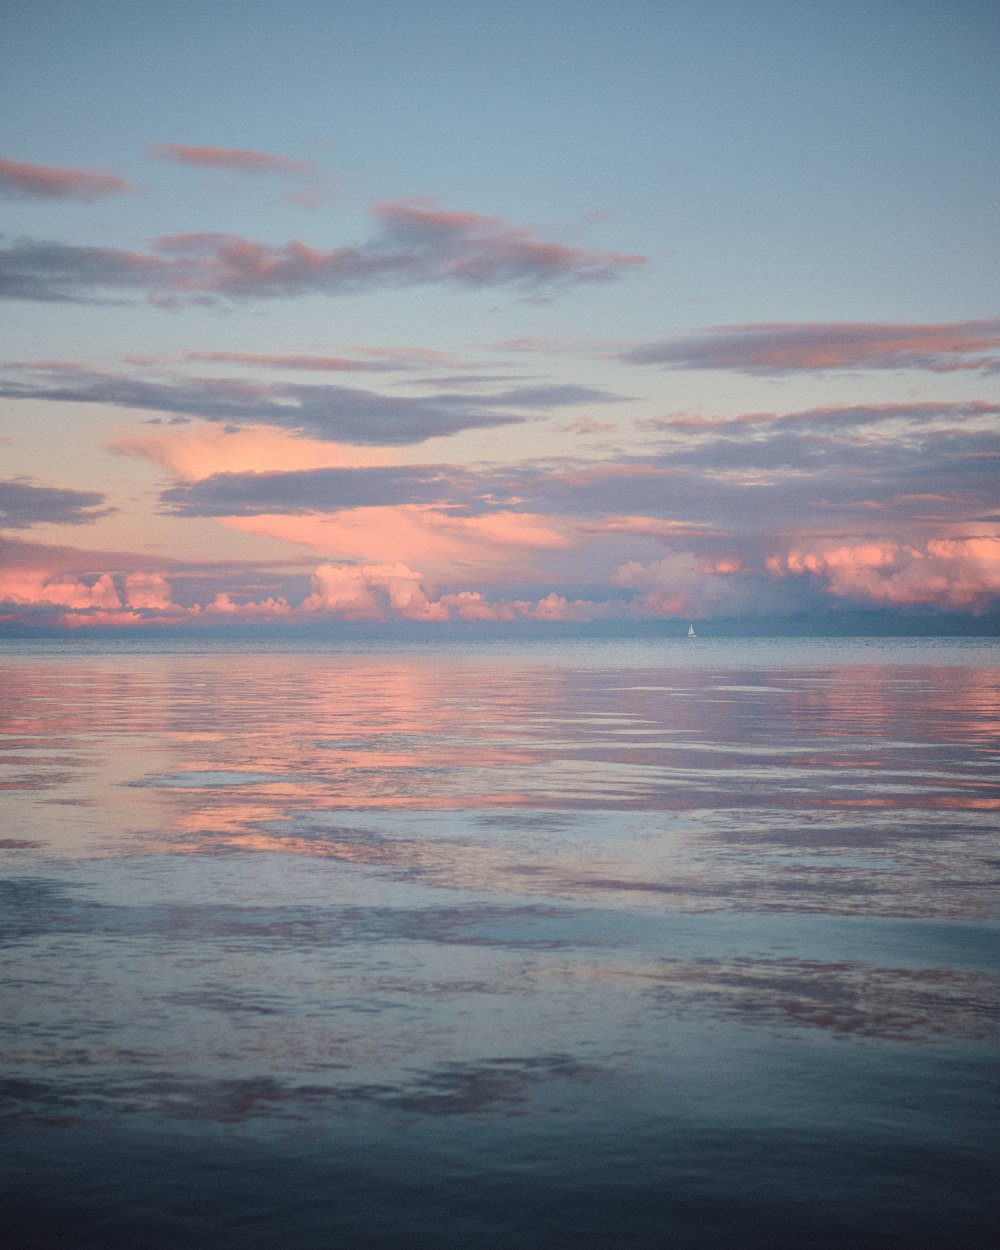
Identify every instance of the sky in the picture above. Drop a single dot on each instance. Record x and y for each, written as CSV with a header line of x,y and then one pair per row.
x,y
453,312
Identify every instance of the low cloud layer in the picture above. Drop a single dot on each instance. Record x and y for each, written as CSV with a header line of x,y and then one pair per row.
x,y
957,574
776,348
411,245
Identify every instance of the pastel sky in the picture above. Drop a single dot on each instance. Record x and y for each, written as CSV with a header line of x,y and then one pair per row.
x,y
446,311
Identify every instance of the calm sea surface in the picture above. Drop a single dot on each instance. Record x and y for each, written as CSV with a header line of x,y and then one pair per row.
x,y
643,944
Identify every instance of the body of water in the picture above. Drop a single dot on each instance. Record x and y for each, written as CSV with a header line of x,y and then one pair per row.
x,y
646,944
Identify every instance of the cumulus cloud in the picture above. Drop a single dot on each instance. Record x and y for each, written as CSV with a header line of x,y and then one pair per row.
x,y
411,245
372,592
782,348
682,584
88,599
148,590
961,572
65,591
22,504
19,180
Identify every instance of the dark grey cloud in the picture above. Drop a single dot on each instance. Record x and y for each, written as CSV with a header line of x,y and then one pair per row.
x,y
320,490
22,504
33,269
411,245
336,413
777,348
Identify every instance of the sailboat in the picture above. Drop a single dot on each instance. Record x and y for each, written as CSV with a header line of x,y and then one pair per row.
x,y
691,633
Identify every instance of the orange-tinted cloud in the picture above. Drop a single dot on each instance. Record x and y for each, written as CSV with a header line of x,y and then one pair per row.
x,y
19,180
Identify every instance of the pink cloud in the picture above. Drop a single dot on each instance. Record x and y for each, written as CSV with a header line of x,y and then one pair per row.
x,y
372,593
348,592
472,605
266,609
235,160
45,182
501,542
962,573
149,591
395,591
681,584
25,588
192,453
132,593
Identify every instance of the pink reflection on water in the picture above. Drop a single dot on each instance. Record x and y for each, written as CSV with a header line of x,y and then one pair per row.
x,y
276,753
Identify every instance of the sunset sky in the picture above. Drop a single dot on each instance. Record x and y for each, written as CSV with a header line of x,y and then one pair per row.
x,y
446,311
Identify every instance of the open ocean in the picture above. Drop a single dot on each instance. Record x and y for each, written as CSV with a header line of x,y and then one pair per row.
x,y
532,945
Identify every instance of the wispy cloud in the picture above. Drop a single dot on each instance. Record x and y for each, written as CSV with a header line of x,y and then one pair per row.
x,y
303,363
338,413
777,348
311,189
411,245
19,180
234,160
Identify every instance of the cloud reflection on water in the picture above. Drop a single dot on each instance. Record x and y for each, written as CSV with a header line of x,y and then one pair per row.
x,y
247,889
